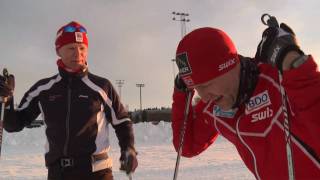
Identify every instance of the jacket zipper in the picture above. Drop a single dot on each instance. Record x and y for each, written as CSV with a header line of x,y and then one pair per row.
x,y
65,149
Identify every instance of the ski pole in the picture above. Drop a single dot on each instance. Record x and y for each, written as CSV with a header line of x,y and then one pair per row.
x,y
3,103
182,132
272,22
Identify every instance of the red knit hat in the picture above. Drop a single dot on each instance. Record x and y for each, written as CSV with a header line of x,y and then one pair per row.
x,y
71,33
204,54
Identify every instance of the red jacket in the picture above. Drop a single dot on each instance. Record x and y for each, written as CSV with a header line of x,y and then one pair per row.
x,y
256,129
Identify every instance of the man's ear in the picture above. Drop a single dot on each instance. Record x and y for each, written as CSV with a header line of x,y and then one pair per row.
x,y
57,52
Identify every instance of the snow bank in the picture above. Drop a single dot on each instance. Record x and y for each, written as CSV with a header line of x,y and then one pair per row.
x,y
22,157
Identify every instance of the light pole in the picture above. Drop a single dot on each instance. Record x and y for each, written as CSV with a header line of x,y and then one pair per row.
x,y
141,85
182,18
119,83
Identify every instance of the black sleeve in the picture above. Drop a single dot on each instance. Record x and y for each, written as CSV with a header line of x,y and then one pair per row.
x,y
16,119
121,113
10,118
125,135
120,120
115,112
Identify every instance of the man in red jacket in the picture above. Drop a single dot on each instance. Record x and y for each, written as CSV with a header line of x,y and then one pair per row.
x,y
241,100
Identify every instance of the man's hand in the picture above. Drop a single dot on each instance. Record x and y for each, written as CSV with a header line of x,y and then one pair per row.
x,y
179,84
128,161
276,43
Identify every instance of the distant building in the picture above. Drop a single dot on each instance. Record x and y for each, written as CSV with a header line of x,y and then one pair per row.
x,y
151,115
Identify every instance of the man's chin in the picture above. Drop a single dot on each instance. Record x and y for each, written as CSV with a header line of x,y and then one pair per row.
x,y
225,107
78,66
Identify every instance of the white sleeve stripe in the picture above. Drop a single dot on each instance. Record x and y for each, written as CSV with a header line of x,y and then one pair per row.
x,y
103,94
37,91
120,121
301,147
46,145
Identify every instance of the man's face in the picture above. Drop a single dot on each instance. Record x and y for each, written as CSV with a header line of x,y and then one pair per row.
x,y
223,90
74,55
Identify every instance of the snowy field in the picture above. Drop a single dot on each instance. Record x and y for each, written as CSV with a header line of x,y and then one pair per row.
x,y
22,157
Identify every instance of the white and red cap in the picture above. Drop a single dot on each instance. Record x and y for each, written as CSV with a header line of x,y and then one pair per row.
x,y
205,54
72,32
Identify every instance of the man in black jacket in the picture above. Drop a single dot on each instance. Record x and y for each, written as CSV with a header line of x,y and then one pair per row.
x,y
77,108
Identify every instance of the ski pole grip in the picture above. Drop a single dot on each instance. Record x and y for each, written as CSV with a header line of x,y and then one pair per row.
x,y
5,73
271,21
6,76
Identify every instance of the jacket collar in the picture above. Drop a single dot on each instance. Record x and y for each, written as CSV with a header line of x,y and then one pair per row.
x,y
249,73
68,73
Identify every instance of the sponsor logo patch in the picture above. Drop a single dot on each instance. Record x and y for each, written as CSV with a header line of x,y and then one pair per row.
x,y
217,111
183,64
53,97
268,113
79,36
83,96
257,102
227,64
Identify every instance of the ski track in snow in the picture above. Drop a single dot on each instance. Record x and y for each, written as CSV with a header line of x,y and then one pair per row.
x,y
22,157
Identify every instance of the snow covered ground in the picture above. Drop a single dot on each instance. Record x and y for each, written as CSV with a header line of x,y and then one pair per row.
x,y
22,157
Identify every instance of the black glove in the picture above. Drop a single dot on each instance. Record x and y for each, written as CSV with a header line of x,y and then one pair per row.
x,y
275,44
128,160
7,84
179,84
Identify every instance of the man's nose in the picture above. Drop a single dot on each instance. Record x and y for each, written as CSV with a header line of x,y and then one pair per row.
x,y
77,52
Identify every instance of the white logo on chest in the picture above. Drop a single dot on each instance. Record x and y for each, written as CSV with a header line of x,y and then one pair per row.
x,y
262,115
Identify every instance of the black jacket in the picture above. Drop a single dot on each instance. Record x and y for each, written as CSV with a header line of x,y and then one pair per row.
x,y
76,109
